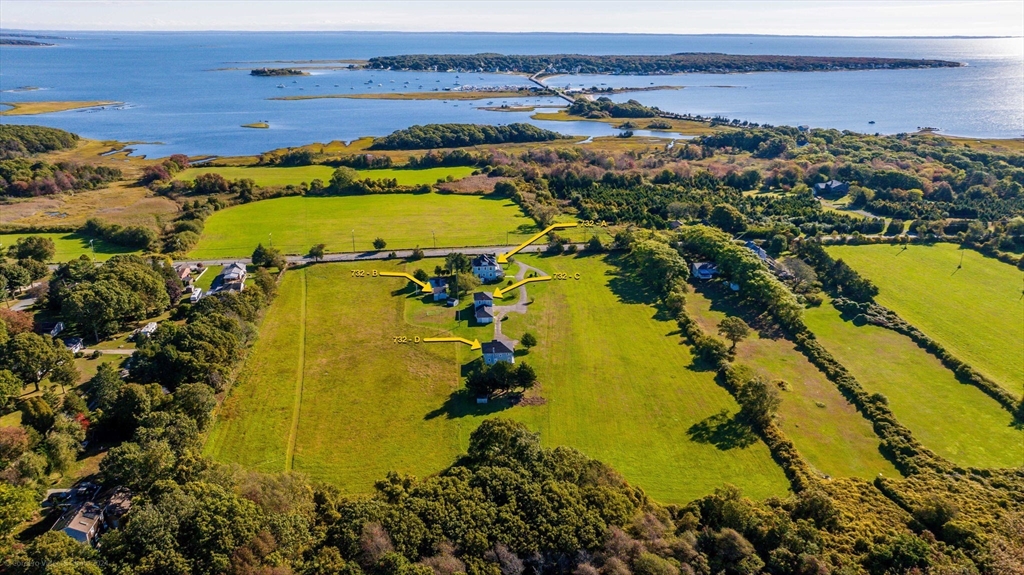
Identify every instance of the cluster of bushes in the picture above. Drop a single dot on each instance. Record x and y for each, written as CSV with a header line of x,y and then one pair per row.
x,y
435,159
604,107
19,141
29,256
458,135
165,170
102,300
186,230
365,162
135,237
22,177
836,275
870,312
487,380
345,181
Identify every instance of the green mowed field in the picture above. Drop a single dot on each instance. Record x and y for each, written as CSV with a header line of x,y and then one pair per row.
x,y
71,245
976,312
955,420
827,430
404,221
614,383
275,176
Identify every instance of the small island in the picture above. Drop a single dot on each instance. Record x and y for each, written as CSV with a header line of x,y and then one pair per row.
x,y
278,72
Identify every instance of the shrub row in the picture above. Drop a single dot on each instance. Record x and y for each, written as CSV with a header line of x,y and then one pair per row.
x,y
870,312
897,440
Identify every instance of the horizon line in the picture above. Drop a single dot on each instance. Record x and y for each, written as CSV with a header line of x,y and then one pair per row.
x,y
374,31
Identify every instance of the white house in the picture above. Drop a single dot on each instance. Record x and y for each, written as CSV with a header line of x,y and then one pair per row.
x,y
495,351
483,315
232,277
482,299
485,267
197,294
704,270
81,523
75,344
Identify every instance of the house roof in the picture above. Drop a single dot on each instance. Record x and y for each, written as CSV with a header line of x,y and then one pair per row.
x,y
495,346
233,271
485,260
73,341
79,521
829,185
482,296
482,313
705,266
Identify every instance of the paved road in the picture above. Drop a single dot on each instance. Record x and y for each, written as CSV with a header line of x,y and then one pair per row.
x,y
382,255
500,311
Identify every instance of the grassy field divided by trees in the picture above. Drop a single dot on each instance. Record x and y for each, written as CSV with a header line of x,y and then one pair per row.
x,y
293,224
614,383
976,311
283,176
72,245
957,421
827,430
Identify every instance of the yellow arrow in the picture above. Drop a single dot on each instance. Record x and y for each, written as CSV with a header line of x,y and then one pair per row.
x,y
423,285
503,258
475,344
500,292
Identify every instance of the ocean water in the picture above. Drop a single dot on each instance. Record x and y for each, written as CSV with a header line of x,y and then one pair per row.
x,y
181,94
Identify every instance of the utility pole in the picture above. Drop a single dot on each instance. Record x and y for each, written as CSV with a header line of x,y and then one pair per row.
x,y
353,240
435,238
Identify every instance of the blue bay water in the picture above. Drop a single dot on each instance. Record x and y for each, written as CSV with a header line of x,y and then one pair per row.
x,y
175,94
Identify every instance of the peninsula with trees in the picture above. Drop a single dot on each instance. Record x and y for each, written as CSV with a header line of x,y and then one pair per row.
x,y
689,62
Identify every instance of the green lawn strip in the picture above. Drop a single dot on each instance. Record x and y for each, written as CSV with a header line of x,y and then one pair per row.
x,y
367,401
205,281
826,429
294,224
71,245
293,432
976,312
278,176
955,420
254,420
620,387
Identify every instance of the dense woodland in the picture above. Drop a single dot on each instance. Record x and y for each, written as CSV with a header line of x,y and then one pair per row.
x,y
23,176
458,135
645,64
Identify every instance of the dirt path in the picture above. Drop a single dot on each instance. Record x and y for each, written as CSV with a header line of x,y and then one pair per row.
x,y
293,434
500,311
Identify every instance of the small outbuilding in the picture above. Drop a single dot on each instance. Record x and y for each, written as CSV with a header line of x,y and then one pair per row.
x,y
149,328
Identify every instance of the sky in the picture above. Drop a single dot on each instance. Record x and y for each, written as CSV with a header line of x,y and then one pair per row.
x,y
784,17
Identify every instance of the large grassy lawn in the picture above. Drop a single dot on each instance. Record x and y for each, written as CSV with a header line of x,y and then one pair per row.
x,y
294,224
955,420
71,245
976,312
327,392
275,176
827,430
